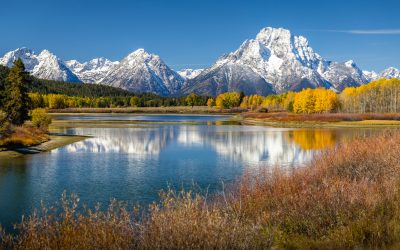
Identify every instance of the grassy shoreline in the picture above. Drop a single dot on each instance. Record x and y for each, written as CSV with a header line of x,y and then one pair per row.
x,y
152,110
274,119
329,120
55,141
312,124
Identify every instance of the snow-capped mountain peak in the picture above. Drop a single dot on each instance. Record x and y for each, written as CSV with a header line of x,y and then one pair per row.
x,y
45,65
141,72
279,58
51,67
140,55
283,44
274,37
283,61
350,63
28,56
390,72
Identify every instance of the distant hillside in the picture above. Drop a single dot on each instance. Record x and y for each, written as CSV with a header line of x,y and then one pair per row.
x,y
115,96
68,88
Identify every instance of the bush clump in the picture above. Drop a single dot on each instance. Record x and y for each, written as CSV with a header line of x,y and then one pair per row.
x,y
4,124
40,119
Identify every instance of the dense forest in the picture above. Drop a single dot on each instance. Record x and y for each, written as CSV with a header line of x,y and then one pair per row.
x,y
380,96
66,88
56,94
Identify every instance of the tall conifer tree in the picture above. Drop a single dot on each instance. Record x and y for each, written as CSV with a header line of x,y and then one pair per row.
x,y
17,102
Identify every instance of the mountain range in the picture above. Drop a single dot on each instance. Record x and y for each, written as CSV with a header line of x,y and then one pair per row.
x,y
274,61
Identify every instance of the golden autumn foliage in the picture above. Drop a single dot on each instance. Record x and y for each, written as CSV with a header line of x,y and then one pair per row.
x,y
325,100
381,96
228,100
378,96
273,102
307,101
252,102
210,102
40,119
318,100
304,102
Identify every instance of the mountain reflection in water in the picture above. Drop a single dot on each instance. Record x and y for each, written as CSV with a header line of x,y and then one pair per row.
x,y
134,164
251,145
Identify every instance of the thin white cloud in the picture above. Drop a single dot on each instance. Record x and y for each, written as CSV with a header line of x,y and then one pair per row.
x,y
375,32
369,32
361,32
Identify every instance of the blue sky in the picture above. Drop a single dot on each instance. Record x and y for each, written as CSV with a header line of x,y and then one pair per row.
x,y
193,34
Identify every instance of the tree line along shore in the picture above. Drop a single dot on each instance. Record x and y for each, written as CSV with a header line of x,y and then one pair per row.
x,y
381,96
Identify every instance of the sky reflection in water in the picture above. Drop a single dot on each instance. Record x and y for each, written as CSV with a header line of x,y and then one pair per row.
x,y
134,164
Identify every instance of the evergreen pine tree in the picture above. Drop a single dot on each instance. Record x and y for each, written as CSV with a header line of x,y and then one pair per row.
x,y
3,75
2,92
17,102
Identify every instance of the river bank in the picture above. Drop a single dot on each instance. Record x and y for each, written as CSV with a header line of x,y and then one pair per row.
x,y
274,119
153,110
55,141
329,120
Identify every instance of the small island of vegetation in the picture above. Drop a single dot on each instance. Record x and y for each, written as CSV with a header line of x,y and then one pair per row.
x,y
21,125
16,110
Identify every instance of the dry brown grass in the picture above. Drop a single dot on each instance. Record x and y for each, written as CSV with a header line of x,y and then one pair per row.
x,y
348,197
326,117
23,136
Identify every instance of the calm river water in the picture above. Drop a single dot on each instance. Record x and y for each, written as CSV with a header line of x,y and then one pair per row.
x,y
135,162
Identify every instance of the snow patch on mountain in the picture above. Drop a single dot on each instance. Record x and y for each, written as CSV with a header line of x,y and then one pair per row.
x,y
371,75
189,73
342,75
92,71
